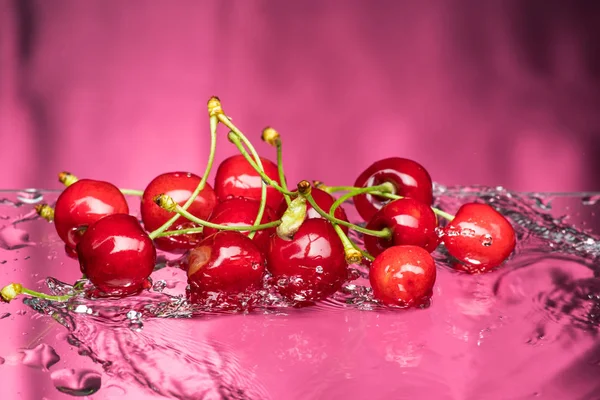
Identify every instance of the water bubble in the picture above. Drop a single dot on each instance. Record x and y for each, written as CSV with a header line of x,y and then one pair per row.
x,y
487,240
282,282
467,232
81,309
12,238
319,270
30,196
134,314
42,356
76,383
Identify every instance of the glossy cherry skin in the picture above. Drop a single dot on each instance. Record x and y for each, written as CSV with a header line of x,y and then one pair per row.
x,y
180,186
323,200
117,255
83,203
235,177
226,262
311,266
479,237
239,211
403,276
409,178
411,222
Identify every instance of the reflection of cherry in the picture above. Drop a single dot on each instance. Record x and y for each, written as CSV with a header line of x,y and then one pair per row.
x,y
409,178
236,178
179,186
83,203
239,211
403,276
410,222
117,255
479,237
225,262
311,266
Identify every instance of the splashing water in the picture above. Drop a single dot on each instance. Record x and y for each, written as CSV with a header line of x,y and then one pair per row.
x,y
533,322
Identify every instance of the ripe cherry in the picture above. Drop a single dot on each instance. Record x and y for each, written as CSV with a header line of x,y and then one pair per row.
x,y
83,203
411,223
409,178
235,177
239,211
311,266
479,237
323,200
180,186
226,262
117,255
403,276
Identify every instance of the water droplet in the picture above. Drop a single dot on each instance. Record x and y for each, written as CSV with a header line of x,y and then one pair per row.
x,y
21,312
159,286
42,356
76,383
30,196
1,360
467,232
81,309
319,270
282,282
136,325
590,200
133,315
12,238
487,240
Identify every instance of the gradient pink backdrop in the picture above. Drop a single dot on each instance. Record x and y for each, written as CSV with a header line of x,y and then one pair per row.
x,y
480,92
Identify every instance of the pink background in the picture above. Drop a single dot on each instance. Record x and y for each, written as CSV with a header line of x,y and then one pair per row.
x,y
479,92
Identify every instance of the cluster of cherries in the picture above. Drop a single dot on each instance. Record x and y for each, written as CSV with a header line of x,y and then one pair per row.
x,y
250,228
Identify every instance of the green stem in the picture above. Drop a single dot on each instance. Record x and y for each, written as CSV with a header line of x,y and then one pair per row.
x,y
384,188
280,170
333,189
235,138
243,228
132,192
384,233
214,121
45,296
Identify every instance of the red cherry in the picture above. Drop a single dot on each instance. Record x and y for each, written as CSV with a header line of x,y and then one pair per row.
x,y
226,262
323,200
117,255
236,178
83,203
403,276
411,222
239,211
180,186
479,237
311,266
409,178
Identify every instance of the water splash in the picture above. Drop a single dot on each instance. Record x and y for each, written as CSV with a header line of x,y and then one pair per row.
x,y
43,356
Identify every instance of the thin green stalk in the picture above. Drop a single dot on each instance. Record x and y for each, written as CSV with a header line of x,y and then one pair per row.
x,y
239,228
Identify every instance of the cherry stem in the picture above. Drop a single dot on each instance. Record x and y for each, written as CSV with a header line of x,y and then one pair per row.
x,y
436,211
264,176
166,202
235,138
242,228
272,137
11,291
214,121
353,255
132,192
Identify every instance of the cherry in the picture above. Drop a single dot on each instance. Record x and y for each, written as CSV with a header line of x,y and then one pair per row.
x,y
410,221
403,276
410,179
180,186
324,200
117,255
83,203
479,237
235,177
311,266
226,262
240,211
